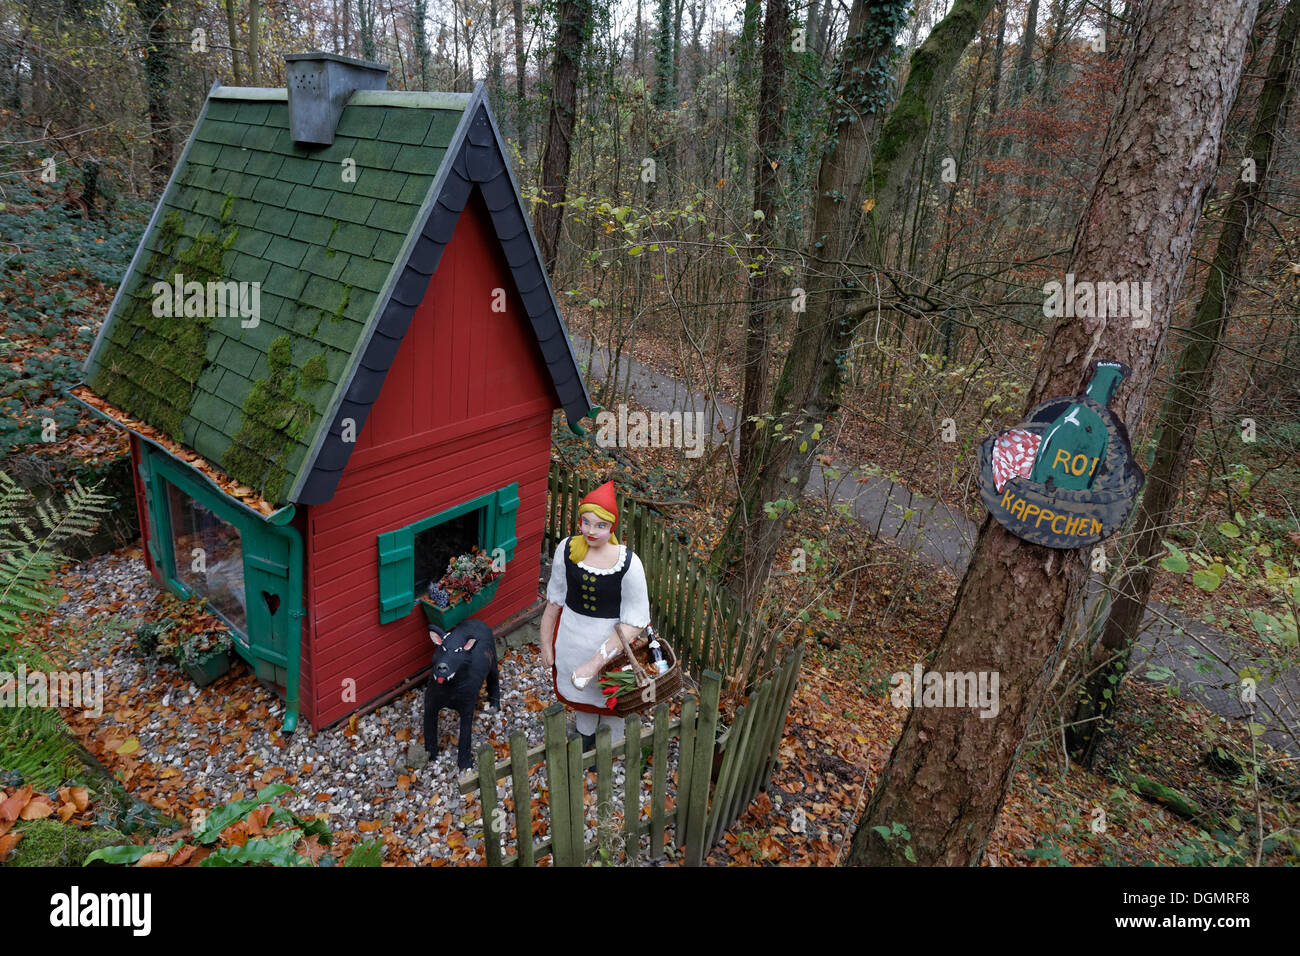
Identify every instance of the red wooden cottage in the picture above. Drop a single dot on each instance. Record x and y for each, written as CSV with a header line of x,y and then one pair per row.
x,y
338,355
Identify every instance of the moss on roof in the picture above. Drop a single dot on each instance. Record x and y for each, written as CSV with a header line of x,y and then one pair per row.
x,y
247,205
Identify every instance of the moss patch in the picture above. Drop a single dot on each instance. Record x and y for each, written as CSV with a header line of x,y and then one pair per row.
x,y
337,314
153,359
275,420
50,843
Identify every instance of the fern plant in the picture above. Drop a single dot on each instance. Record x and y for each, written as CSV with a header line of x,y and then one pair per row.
x,y
30,560
34,741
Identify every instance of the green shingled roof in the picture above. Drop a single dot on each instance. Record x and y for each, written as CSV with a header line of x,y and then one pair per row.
x,y
247,205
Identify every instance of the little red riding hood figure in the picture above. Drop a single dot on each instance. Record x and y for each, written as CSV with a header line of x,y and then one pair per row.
x,y
596,585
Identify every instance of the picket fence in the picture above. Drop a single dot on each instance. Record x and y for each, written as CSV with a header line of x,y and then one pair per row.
x,y
717,778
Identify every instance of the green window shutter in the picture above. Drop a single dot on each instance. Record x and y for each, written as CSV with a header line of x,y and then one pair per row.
x,y
396,574
507,506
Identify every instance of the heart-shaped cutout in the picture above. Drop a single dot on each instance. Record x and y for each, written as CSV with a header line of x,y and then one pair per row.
x,y
272,601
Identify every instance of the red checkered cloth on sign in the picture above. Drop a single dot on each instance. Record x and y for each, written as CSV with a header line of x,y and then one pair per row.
x,y
1013,454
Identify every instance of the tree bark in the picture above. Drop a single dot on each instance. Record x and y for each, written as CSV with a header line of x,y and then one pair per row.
x,y
1023,78
664,94
764,287
1188,395
677,45
157,82
254,42
996,91
521,91
420,34
494,50
949,772
636,41
234,43
574,23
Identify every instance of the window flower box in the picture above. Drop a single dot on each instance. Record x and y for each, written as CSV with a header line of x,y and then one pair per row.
x,y
469,584
448,617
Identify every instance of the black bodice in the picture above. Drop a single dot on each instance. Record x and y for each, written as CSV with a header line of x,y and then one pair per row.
x,y
591,593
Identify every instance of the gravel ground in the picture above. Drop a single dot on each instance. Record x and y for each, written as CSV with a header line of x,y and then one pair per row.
x,y
224,739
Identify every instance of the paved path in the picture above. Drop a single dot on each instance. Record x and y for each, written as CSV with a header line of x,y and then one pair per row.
x,y
945,538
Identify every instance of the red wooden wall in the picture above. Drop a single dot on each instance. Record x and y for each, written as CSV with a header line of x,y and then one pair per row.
x,y
465,409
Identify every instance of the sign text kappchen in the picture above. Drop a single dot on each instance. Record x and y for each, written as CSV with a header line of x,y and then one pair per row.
x,y
1065,477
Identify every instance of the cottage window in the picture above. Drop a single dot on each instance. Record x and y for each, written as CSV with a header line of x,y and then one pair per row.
x,y
410,557
208,556
436,546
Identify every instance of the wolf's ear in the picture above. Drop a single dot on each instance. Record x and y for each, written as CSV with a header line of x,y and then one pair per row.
x,y
436,634
469,645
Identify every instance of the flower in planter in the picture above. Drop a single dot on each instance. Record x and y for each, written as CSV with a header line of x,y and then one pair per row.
x,y
188,634
197,649
439,596
467,574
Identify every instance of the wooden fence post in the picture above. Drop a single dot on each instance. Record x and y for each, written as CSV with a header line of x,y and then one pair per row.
x,y
685,769
659,782
523,796
632,788
557,783
577,800
487,799
702,772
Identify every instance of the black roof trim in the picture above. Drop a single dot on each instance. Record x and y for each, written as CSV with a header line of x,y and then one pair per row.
x,y
478,162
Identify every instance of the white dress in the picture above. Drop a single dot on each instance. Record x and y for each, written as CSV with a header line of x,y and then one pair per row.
x,y
579,635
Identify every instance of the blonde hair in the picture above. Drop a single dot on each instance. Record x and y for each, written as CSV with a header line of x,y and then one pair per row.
x,y
578,543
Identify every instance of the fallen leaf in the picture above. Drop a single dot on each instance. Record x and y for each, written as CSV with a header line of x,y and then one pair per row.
x,y
12,806
7,843
182,856
38,809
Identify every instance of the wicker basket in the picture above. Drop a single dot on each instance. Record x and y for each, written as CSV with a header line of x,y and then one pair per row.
x,y
666,685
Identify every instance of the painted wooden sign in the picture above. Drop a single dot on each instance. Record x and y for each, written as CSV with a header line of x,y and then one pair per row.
x,y
1065,477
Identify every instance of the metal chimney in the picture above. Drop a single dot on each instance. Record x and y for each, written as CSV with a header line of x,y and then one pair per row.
x,y
320,85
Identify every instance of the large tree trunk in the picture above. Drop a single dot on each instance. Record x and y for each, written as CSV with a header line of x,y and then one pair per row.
x,y
677,44
765,286
574,22
950,770
254,42
1022,80
494,50
157,84
521,92
808,391
996,83
234,43
636,41
420,36
1188,395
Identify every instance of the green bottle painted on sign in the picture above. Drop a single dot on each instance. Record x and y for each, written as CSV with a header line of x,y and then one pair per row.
x,y
1074,445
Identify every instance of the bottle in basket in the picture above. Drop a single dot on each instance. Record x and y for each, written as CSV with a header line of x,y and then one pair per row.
x,y
656,655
